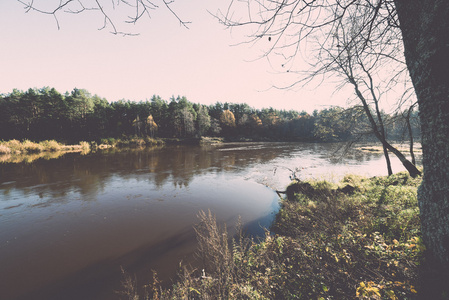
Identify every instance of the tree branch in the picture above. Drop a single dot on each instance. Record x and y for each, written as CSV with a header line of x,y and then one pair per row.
x,y
141,8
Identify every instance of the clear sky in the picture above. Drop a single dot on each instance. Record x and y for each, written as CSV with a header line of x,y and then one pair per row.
x,y
166,59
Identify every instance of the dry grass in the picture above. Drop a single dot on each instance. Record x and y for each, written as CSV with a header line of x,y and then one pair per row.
x,y
14,145
328,245
31,147
4,149
14,151
51,145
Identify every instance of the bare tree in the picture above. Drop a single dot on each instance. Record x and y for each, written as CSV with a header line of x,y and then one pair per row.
x,y
353,40
418,29
358,61
407,115
135,10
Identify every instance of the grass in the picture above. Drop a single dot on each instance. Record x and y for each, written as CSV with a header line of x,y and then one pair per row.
x,y
51,145
327,245
4,149
28,147
15,151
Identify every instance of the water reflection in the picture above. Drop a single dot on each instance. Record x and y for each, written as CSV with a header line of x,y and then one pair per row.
x,y
68,224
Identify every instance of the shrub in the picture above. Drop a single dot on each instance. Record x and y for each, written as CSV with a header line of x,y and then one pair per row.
x,y
51,145
4,149
137,142
15,146
31,147
85,147
109,141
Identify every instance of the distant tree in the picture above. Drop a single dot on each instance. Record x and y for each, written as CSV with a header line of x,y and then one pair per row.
x,y
99,120
138,124
270,120
239,110
215,127
332,125
12,124
227,121
52,122
159,111
253,125
216,110
31,109
203,119
121,120
151,126
188,121
182,117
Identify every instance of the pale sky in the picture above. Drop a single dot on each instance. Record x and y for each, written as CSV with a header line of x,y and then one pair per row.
x,y
165,59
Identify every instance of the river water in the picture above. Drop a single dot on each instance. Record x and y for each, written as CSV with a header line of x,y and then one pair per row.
x,y
68,225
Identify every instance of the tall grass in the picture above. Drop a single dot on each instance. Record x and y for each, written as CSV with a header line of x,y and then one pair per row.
x,y
15,146
14,151
31,147
4,149
85,147
328,245
27,146
51,145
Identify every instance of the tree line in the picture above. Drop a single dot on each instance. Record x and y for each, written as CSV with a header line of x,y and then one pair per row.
x,y
45,113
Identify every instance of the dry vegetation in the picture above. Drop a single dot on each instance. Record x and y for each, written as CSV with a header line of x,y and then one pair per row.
x,y
14,151
327,245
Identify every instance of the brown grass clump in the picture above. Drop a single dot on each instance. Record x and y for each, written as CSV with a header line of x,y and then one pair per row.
x,y
15,146
4,149
51,145
31,147
85,147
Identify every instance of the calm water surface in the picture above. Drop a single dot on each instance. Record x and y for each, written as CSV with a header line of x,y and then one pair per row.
x,y
68,225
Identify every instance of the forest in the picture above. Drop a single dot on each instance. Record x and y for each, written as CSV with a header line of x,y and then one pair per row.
x,y
45,113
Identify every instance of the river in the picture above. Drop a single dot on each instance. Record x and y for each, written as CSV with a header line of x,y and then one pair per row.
x,y
68,225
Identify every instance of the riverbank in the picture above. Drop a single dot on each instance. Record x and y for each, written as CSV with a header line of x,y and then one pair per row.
x,y
329,243
29,147
417,148
14,151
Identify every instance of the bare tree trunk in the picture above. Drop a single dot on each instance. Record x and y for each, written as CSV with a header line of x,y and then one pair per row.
x,y
387,160
411,168
410,133
381,124
425,28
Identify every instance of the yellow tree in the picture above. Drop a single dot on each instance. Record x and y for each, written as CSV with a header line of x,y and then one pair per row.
x,y
151,125
227,121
